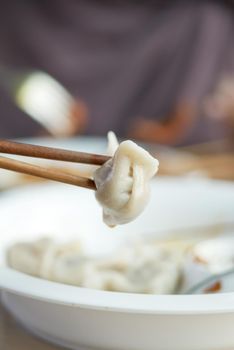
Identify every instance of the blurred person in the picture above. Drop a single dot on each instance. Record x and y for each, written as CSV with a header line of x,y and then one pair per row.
x,y
141,68
220,104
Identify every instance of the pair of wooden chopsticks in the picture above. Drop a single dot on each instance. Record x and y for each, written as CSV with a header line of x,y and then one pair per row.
x,y
28,150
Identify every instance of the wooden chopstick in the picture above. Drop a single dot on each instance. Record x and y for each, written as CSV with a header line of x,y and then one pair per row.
x,y
55,175
28,150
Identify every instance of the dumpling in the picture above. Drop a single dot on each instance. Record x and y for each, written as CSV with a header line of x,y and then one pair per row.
x,y
123,183
139,269
27,257
46,259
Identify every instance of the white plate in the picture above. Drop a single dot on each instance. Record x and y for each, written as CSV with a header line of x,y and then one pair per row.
x,y
77,317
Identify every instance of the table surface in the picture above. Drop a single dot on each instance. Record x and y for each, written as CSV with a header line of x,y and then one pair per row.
x,y
13,337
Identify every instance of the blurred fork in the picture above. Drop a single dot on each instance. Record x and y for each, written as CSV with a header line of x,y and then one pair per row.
x,y
45,100
219,283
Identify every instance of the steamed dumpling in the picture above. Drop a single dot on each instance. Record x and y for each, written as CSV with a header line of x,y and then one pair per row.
x,y
27,257
139,268
123,183
43,258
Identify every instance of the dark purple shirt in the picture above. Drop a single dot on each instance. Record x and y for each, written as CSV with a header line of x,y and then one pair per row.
x,y
123,58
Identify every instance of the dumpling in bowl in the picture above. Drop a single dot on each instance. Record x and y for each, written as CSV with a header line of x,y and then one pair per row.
x,y
123,183
46,259
27,257
139,268
142,268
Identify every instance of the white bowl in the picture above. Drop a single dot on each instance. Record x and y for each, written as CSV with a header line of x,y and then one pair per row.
x,y
83,318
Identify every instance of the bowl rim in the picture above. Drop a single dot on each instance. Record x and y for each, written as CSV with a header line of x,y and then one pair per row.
x,y
71,296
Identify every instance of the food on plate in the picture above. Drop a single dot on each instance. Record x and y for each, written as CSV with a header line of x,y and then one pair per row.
x,y
123,183
216,287
217,255
140,268
144,265
36,258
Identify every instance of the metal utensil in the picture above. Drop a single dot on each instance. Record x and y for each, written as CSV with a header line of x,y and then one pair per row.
x,y
222,282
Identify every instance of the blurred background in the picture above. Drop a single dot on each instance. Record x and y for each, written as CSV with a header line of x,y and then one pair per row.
x,y
160,72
